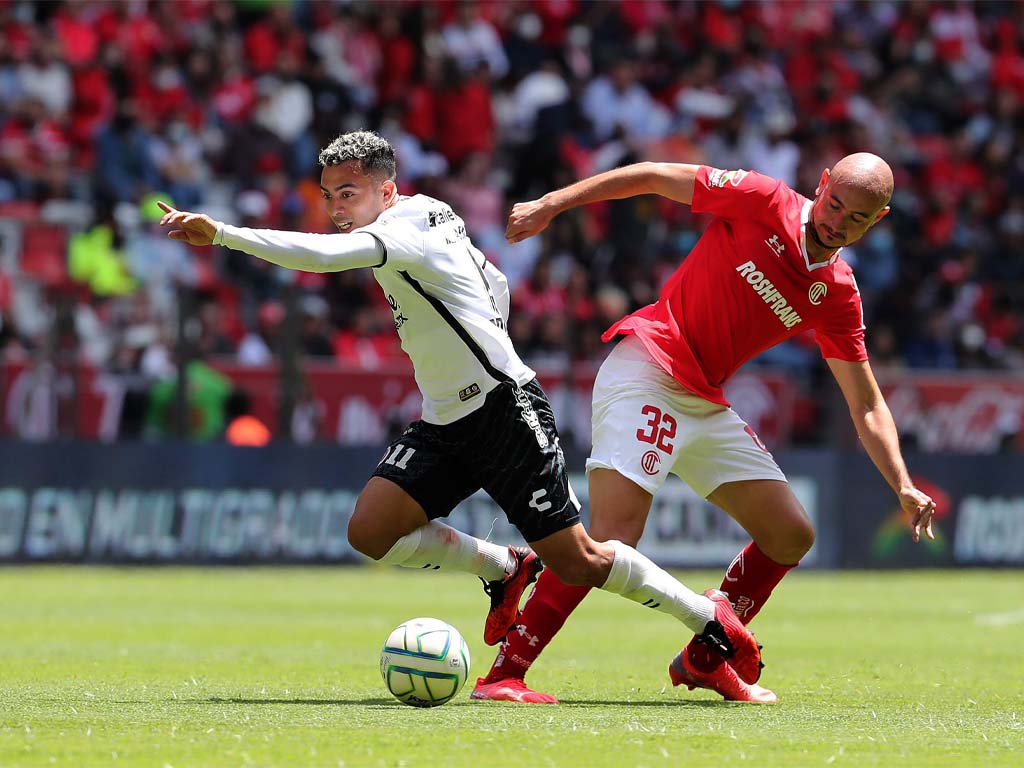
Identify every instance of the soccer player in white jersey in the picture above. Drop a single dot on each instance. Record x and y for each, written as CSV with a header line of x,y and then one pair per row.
x,y
486,422
767,267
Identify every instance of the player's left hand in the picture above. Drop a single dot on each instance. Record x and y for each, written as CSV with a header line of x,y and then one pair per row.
x,y
921,507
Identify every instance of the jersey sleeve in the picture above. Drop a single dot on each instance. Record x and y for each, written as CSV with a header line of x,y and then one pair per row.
x,y
842,337
733,194
402,241
306,251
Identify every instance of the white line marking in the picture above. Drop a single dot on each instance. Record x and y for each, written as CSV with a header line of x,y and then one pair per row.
x,y
1000,619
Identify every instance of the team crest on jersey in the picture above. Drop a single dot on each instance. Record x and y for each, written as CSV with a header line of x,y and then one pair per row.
x,y
817,292
719,178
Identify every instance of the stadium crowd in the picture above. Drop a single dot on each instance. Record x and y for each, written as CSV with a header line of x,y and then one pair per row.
x,y
223,106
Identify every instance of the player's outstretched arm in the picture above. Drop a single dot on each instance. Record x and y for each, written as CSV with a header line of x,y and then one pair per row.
x,y
295,250
672,180
877,431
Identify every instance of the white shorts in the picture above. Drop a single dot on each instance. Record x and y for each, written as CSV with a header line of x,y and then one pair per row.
x,y
646,425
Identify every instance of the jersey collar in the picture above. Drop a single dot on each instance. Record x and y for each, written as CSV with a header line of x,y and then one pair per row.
x,y
805,214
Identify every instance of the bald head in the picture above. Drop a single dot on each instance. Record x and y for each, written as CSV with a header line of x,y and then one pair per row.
x,y
851,198
865,172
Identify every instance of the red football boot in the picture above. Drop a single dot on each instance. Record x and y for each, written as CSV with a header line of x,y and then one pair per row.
x,y
506,593
509,689
729,638
723,680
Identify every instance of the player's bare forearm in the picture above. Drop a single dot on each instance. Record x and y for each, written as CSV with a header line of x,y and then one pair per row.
x,y
672,180
878,434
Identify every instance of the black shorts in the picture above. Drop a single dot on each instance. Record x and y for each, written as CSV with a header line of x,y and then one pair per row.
x,y
509,447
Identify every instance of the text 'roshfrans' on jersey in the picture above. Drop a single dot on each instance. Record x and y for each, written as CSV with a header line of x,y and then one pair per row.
x,y
771,295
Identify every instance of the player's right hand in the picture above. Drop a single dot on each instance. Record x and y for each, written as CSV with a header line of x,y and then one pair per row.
x,y
192,228
527,219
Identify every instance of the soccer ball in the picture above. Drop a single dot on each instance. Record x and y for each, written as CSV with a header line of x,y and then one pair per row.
x,y
424,662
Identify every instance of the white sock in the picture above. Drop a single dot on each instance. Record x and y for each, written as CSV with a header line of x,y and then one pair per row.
x,y
436,545
635,577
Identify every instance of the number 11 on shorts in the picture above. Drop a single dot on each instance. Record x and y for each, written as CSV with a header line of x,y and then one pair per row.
x,y
402,462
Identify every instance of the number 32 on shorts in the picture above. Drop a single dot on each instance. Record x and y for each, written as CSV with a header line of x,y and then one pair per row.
x,y
660,429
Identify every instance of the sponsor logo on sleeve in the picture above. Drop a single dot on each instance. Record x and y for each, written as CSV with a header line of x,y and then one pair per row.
x,y
719,178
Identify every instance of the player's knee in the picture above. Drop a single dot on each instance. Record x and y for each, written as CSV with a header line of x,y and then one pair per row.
x,y
792,543
367,539
584,567
802,539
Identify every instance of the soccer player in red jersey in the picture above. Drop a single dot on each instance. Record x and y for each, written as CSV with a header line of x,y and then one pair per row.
x,y
767,268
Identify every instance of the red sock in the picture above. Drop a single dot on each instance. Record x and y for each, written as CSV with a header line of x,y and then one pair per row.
x,y
748,582
546,610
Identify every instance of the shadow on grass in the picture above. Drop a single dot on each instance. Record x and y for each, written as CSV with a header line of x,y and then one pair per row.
x,y
574,703
700,703
322,702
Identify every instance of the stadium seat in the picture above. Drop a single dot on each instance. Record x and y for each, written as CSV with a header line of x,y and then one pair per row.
x,y
44,253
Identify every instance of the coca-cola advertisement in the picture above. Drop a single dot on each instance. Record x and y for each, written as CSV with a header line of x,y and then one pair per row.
x,y
957,414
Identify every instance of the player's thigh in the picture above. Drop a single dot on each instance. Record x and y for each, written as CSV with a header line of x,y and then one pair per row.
x,y
618,507
721,448
635,436
419,478
728,464
771,513
523,468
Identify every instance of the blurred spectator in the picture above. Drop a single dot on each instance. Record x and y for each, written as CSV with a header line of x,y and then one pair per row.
x,y
208,393
465,106
123,152
259,345
45,77
178,159
157,262
617,104
285,109
96,257
471,40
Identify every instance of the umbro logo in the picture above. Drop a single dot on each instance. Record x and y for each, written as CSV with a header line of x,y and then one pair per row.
x,y
773,243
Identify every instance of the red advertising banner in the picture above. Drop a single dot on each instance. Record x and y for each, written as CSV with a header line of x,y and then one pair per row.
x,y
957,413
356,406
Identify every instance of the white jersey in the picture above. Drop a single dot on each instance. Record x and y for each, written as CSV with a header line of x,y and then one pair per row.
x,y
449,303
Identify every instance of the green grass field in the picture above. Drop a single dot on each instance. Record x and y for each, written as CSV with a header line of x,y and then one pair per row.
x,y
263,667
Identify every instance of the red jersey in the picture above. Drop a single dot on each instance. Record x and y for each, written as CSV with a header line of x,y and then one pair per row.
x,y
747,285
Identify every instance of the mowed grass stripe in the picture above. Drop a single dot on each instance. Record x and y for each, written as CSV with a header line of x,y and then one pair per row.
x,y
278,667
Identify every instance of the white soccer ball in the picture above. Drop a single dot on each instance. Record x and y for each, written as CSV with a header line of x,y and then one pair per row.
x,y
424,662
